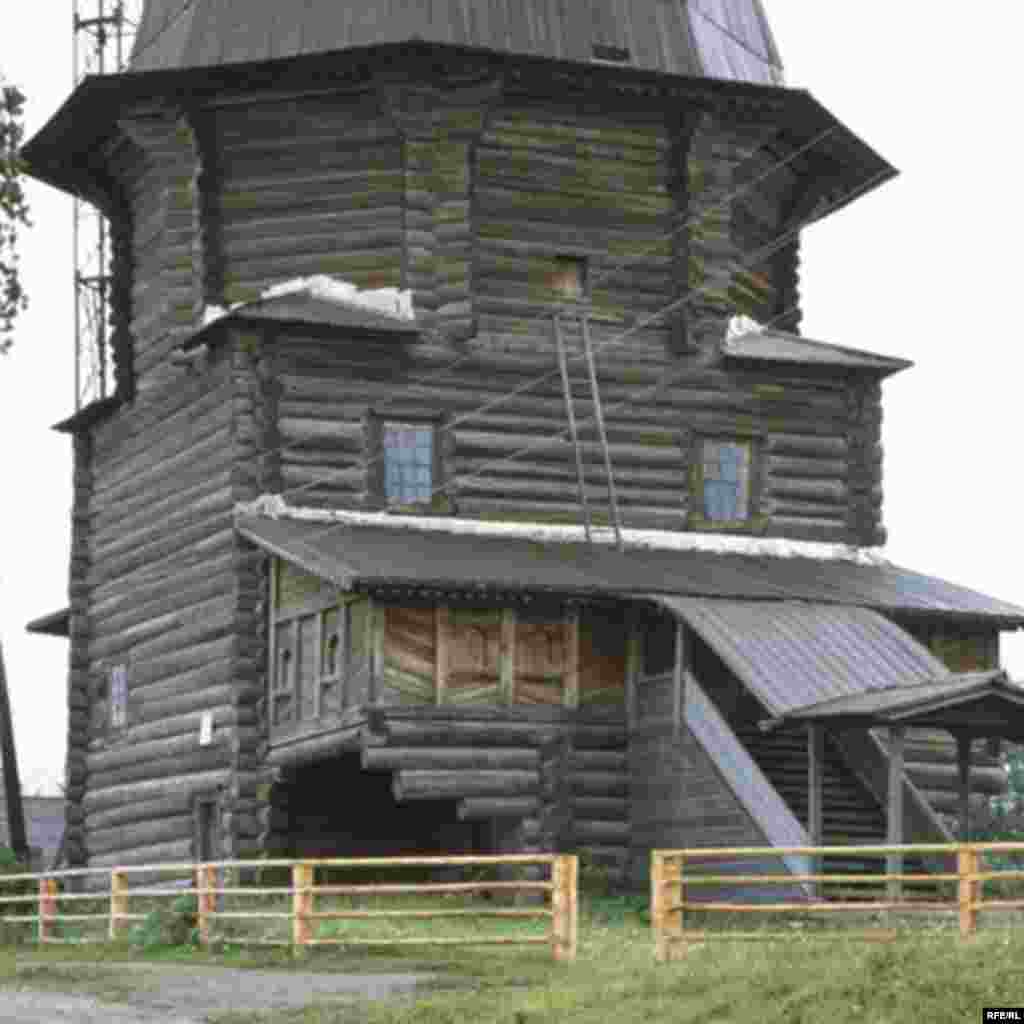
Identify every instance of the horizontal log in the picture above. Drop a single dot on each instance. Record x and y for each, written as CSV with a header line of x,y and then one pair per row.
x,y
990,781
140,833
197,761
478,808
174,852
600,760
600,808
413,785
97,799
607,784
129,751
294,751
497,734
806,446
141,810
612,832
449,758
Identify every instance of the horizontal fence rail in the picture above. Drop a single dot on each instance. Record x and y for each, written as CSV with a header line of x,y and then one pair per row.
x,y
678,877
46,901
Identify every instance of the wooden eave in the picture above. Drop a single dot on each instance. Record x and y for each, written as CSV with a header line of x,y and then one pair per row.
x,y
89,415
980,704
88,118
54,624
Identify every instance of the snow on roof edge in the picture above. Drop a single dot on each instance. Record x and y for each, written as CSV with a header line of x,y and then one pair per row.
x,y
273,506
391,302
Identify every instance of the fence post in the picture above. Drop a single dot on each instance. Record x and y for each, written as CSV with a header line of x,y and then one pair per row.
x,y
666,893
47,907
206,882
564,906
967,868
118,902
302,905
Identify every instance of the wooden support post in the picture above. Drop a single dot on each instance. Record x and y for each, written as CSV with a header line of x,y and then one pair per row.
x,y
666,895
633,654
302,905
442,639
815,795
682,665
967,868
571,679
507,656
318,663
581,480
206,883
564,906
118,903
376,648
47,908
894,819
963,765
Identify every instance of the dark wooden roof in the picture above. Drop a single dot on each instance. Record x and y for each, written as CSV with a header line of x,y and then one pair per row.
x,y
306,310
374,557
770,346
979,703
794,654
56,623
716,38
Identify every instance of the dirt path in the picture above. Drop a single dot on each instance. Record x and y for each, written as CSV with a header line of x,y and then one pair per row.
x,y
180,994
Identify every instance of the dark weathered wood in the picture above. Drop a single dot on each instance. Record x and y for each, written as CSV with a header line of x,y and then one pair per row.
x,y
448,759
452,785
482,808
15,833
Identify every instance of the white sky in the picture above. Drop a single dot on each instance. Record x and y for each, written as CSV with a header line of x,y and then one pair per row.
x,y
926,268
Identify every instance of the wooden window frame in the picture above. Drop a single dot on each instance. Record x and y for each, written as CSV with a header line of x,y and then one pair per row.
x,y
316,608
212,805
755,521
441,501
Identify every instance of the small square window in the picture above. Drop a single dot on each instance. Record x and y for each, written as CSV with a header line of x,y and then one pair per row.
x,y
725,476
409,461
568,278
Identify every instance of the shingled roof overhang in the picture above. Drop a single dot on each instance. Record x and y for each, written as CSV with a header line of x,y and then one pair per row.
x,y
782,348
313,316
64,151
433,562
975,704
794,654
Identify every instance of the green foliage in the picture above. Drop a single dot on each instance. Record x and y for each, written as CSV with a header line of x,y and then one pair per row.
x,y
13,209
12,932
174,926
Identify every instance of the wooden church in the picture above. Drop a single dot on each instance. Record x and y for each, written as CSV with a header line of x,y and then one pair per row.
x,y
467,484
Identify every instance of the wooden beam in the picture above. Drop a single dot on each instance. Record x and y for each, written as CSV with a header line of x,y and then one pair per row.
x,y
683,664
9,770
815,791
375,624
507,656
633,653
894,817
442,636
963,766
571,678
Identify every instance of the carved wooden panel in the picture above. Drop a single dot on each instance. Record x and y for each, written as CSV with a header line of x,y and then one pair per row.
x,y
409,638
474,643
541,659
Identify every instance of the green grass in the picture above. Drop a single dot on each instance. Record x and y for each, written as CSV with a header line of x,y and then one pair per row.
x,y
927,973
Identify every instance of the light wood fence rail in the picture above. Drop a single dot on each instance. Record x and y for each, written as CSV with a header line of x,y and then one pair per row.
x,y
678,875
53,891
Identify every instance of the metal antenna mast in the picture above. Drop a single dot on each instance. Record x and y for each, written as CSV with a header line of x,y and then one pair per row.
x,y
103,35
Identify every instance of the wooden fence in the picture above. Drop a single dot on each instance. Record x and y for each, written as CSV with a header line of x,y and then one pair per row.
x,y
211,882
675,887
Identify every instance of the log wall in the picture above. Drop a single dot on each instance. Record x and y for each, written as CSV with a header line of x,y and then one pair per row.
x,y
161,602
513,461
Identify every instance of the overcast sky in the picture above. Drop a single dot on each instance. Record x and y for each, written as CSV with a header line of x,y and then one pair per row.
x,y
926,267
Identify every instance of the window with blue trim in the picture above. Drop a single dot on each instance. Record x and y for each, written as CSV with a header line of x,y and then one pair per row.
x,y
725,474
408,462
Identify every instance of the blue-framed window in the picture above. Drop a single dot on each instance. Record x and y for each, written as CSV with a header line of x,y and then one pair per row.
x,y
408,462
725,473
